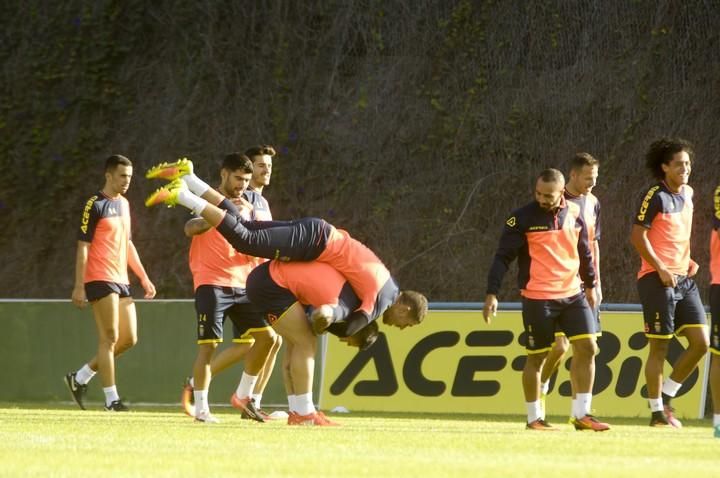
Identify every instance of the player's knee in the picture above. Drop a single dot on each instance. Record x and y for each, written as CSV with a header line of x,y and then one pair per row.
x,y
561,346
126,343
109,338
585,348
699,347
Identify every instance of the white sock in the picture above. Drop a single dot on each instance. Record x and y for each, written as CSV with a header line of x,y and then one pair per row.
x,y
671,387
246,386
195,184
304,403
111,395
716,419
573,407
84,375
291,403
533,410
189,200
545,387
656,404
257,398
583,405
201,402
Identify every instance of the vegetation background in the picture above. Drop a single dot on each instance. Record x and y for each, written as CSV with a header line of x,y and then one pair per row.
x,y
416,125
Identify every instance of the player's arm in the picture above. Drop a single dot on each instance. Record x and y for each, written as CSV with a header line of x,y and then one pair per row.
x,y
511,241
598,287
649,208
587,266
596,252
195,226
81,257
139,270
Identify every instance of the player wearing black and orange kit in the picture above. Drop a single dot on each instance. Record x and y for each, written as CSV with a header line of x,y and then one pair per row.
x,y
668,294
304,239
219,275
284,291
715,312
104,251
583,173
549,239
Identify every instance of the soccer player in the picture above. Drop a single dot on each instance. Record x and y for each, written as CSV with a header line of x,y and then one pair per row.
x,y
668,294
219,274
578,189
283,290
261,156
104,251
300,240
715,312
549,238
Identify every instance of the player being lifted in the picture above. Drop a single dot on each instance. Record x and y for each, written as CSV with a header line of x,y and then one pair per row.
x,y
304,239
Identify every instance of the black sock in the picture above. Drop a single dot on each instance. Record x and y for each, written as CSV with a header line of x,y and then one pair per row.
x,y
666,399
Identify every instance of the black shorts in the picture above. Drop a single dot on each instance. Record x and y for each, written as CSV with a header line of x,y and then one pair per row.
x,y
571,316
98,289
668,310
598,327
213,304
715,313
267,295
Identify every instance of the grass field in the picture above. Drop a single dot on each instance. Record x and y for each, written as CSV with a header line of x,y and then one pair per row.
x,y
55,440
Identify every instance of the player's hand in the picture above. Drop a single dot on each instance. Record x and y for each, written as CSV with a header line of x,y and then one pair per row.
x,y
79,299
490,307
149,288
598,293
693,269
667,278
591,295
244,206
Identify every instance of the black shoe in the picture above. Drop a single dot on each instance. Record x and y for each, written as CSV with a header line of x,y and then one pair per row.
x,y
658,419
259,411
116,406
77,390
247,407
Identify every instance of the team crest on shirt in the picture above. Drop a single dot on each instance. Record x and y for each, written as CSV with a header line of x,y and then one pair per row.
x,y
201,330
511,222
531,341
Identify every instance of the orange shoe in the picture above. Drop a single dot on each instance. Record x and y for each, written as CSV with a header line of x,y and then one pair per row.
x,y
247,406
167,194
171,171
670,415
187,399
317,419
540,425
589,422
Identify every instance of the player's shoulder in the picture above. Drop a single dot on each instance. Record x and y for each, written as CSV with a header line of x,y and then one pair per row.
x,y
654,193
592,199
94,201
520,216
688,191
